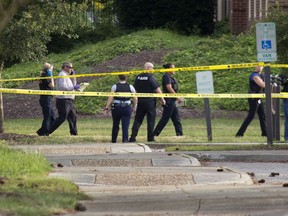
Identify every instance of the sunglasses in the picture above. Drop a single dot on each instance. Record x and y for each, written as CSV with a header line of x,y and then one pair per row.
x,y
68,66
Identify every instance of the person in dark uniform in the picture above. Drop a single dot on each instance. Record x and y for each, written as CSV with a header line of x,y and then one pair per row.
x,y
170,110
284,84
146,83
46,100
256,85
121,108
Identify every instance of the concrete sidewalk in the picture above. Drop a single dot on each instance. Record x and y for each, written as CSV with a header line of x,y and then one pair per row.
x,y
131,179
256,155
78,149
132,165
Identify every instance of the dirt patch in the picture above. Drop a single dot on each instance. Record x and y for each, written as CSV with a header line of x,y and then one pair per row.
x,y
13,137
27,106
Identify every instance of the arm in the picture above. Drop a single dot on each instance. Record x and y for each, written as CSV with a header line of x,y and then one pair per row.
x,y
134,105
110,99
171,90
158,90
259,81
51,84
64,84
135,99
51,81
108,103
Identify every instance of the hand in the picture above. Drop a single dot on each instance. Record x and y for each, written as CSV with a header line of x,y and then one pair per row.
x,y
180,100
106,109
72,72
76,87
163,102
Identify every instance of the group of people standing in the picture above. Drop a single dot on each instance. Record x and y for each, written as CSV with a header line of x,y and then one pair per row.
x,y
122,107
144,106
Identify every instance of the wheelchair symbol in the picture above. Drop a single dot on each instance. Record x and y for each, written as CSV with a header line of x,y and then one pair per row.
x,y
266,44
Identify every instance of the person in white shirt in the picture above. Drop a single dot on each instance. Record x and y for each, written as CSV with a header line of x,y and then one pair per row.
x,y
65,103
122,108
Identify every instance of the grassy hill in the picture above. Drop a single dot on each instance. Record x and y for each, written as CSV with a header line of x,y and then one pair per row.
x,y
183,51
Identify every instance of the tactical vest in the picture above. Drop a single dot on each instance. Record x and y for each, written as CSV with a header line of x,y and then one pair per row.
x,y
253,87
122,87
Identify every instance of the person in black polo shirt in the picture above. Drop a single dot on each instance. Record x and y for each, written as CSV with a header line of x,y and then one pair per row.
x,y
169,85
146,83
121,108
46,100
256,85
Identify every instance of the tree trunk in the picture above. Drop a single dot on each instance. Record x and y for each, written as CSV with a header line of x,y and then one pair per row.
x,y
1,101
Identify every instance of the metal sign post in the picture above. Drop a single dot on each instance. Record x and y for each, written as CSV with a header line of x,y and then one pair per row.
x,y
205,85
269,121
276,112
267,52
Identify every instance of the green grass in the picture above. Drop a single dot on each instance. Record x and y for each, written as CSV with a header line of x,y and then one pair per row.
x,y
97,130
25,189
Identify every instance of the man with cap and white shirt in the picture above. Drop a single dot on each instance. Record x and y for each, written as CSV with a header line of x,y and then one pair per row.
x,y
65,103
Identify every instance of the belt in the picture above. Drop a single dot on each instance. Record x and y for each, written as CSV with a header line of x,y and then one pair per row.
x,y
120,104
65,99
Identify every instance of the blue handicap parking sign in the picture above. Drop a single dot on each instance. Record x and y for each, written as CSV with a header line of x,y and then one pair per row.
x,y
266,44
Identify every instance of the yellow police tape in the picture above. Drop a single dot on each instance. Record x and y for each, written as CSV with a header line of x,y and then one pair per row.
x,y
168,95
196,68
107,94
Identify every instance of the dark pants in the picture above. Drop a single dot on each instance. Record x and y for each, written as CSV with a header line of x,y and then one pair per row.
x,y
66,110
285,110
144,107
254,107
48,114
169,111
123,114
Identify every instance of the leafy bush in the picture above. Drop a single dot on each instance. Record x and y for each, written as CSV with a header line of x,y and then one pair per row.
x,y
227,49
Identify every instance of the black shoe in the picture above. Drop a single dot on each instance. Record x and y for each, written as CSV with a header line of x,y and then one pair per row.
x,y
239,135
179,134
155,134
151,140
40,133
131,139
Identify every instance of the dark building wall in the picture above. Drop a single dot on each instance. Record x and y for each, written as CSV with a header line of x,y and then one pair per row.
x,y
243,13
238,16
